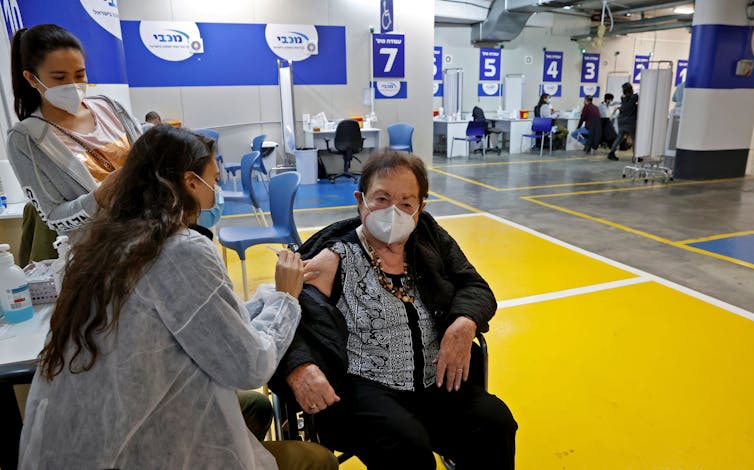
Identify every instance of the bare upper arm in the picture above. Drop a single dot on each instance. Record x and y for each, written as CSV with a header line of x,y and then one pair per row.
x,y
326,262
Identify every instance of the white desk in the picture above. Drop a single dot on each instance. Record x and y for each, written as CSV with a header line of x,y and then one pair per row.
x,y
450,129
515,127
21,343
317,139
10,226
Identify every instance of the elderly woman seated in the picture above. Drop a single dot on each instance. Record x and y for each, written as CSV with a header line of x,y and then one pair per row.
x,y
382,354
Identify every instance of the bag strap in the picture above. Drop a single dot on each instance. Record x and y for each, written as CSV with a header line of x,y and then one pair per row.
x,y
96,153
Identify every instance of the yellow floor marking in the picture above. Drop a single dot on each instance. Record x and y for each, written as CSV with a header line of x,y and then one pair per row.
x,y
643,188
519,264
454,202
639,377
716,237
467,180
522,188
535,200
515,162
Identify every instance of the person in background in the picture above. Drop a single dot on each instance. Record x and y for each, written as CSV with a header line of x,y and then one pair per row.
x,y
148,341
678,98
383,353
150,120
153,118
588,113
66,148
605,106
629,106
543,108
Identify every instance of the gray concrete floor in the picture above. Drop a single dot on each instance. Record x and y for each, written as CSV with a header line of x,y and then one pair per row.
x,y
660,213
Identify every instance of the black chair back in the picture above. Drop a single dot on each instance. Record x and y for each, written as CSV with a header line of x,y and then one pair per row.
x,y
348,137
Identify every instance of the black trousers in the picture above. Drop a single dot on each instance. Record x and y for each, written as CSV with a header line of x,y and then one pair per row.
x,y
389,429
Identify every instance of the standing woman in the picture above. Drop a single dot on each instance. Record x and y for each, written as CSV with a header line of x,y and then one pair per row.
x,y
629,106
66,147
148,342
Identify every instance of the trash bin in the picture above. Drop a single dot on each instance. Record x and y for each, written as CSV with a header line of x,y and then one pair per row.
x,y
306,165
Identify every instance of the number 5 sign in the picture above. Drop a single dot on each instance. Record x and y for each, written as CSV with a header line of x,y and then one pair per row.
x,y
553,70
489,64
388,58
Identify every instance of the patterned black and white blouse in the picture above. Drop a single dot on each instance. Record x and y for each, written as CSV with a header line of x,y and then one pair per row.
x,y
389,341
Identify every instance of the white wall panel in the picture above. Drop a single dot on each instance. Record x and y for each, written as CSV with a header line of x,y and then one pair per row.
x,y
701,131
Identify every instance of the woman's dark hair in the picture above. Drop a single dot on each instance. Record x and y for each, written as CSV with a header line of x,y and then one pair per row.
x,y
29,48
542,99
628,90
383,162
149,203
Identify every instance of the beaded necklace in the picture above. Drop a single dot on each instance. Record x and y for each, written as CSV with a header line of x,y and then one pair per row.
x,y
403,293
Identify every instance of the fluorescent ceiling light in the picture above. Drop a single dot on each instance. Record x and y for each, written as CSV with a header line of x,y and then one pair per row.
x,y
684,10
567,7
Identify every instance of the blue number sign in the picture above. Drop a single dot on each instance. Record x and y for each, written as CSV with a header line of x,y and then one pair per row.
x,y
553,70
489,64
438,63
590,68
386,16
388,55
680,72
641,62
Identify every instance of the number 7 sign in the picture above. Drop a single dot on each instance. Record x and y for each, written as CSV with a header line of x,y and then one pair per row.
x,y
388,58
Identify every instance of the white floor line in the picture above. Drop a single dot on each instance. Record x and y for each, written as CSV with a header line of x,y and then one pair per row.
x,y
642,274
561,294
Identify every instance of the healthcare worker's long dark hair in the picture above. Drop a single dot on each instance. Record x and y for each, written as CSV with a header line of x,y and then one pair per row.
x,y
149,203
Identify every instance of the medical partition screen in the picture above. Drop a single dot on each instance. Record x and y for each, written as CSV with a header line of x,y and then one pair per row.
x,y
288,123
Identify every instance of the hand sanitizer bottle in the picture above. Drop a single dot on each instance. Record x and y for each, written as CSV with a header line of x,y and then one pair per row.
x,y
15,297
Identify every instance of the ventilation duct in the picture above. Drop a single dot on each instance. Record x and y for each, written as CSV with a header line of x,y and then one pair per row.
x,y
501,24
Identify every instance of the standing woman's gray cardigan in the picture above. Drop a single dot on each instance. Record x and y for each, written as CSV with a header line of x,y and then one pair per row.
x,y
52,177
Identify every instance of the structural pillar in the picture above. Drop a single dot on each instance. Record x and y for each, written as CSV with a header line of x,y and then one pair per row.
x,y
717,116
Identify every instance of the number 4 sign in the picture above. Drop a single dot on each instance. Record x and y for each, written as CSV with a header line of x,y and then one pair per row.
x,y
388,58
553,70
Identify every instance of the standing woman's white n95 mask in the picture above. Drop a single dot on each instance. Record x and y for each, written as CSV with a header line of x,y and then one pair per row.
x,y
66,97
390,225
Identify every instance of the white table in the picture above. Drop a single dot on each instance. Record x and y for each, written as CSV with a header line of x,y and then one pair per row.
x,y
451,129
10,226
515,127
317,139
21,343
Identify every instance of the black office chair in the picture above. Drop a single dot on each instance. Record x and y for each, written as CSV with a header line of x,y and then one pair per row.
x,y
291,423
348,142
478,115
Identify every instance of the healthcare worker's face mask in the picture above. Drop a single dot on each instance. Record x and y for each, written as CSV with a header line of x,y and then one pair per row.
x,y
209,217
390,224
66,97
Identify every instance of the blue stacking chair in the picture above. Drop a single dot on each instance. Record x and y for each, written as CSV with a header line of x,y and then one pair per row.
x,y
230,168
474,133
400,135
258,167
283,188
247,193
540,128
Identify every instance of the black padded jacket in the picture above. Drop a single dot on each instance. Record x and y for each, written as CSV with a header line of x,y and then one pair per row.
x,y
448,284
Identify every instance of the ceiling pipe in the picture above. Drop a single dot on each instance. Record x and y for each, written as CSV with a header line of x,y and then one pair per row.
x,y
625,28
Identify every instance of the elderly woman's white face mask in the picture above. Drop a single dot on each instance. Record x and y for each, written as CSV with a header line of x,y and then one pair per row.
x,y
391,224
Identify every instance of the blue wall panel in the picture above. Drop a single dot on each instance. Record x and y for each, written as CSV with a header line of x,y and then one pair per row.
x,y
234,55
